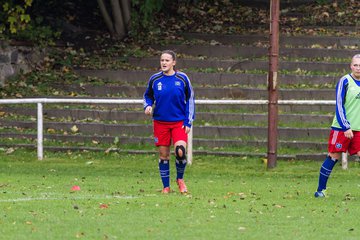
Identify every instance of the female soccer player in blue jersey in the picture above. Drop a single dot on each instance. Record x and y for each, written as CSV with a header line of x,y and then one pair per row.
x,y
171,94
345,128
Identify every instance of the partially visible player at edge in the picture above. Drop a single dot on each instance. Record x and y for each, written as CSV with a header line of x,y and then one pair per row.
x,y
345,128
172,95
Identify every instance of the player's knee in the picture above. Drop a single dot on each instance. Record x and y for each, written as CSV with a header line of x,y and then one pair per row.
x,y
335,156
180,152
163,161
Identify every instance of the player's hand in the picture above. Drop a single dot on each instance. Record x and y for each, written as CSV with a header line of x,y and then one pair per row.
x,y
187,129
349,133
148,110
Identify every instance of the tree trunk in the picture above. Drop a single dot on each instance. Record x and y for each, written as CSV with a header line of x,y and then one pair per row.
x,y
126,12
117,19
106,17
119,24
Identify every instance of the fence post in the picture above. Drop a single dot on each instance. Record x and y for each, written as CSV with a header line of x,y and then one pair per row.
x,y
344,160
40,131
190,146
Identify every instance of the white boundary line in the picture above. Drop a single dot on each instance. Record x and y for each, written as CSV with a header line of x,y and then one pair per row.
x,y
68,198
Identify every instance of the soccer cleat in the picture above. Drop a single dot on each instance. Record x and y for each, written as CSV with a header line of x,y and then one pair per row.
x,y
166,190
319,194
182,186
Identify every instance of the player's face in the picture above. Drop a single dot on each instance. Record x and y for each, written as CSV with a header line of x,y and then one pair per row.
x,y
355,68
167,63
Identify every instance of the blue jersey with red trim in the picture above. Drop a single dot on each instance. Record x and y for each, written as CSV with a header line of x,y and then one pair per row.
x,y
172,97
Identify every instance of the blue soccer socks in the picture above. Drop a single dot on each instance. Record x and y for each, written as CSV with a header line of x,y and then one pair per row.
x,y
164,168
325,172
180,168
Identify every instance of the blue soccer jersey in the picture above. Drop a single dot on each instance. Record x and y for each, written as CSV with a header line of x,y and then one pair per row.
x,y
172,97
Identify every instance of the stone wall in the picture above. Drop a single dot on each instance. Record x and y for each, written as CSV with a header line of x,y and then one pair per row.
x,y
16,59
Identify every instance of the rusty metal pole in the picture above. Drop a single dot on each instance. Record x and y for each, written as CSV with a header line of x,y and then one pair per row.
x,y
273,83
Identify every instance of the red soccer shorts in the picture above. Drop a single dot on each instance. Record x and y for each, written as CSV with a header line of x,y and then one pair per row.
x,y
165,132
339,143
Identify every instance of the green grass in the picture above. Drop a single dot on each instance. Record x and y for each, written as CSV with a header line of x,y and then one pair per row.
x,y
231,198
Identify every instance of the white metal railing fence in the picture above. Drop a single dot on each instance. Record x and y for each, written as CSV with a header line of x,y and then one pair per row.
x,y
41,101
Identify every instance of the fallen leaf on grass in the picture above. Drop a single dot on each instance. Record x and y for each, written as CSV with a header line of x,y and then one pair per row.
x,y
10,150
74,129
75,188
104,205
241,228
51,130
278,206
80,234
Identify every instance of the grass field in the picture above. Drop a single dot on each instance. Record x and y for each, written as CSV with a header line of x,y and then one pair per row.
x,y
230,198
